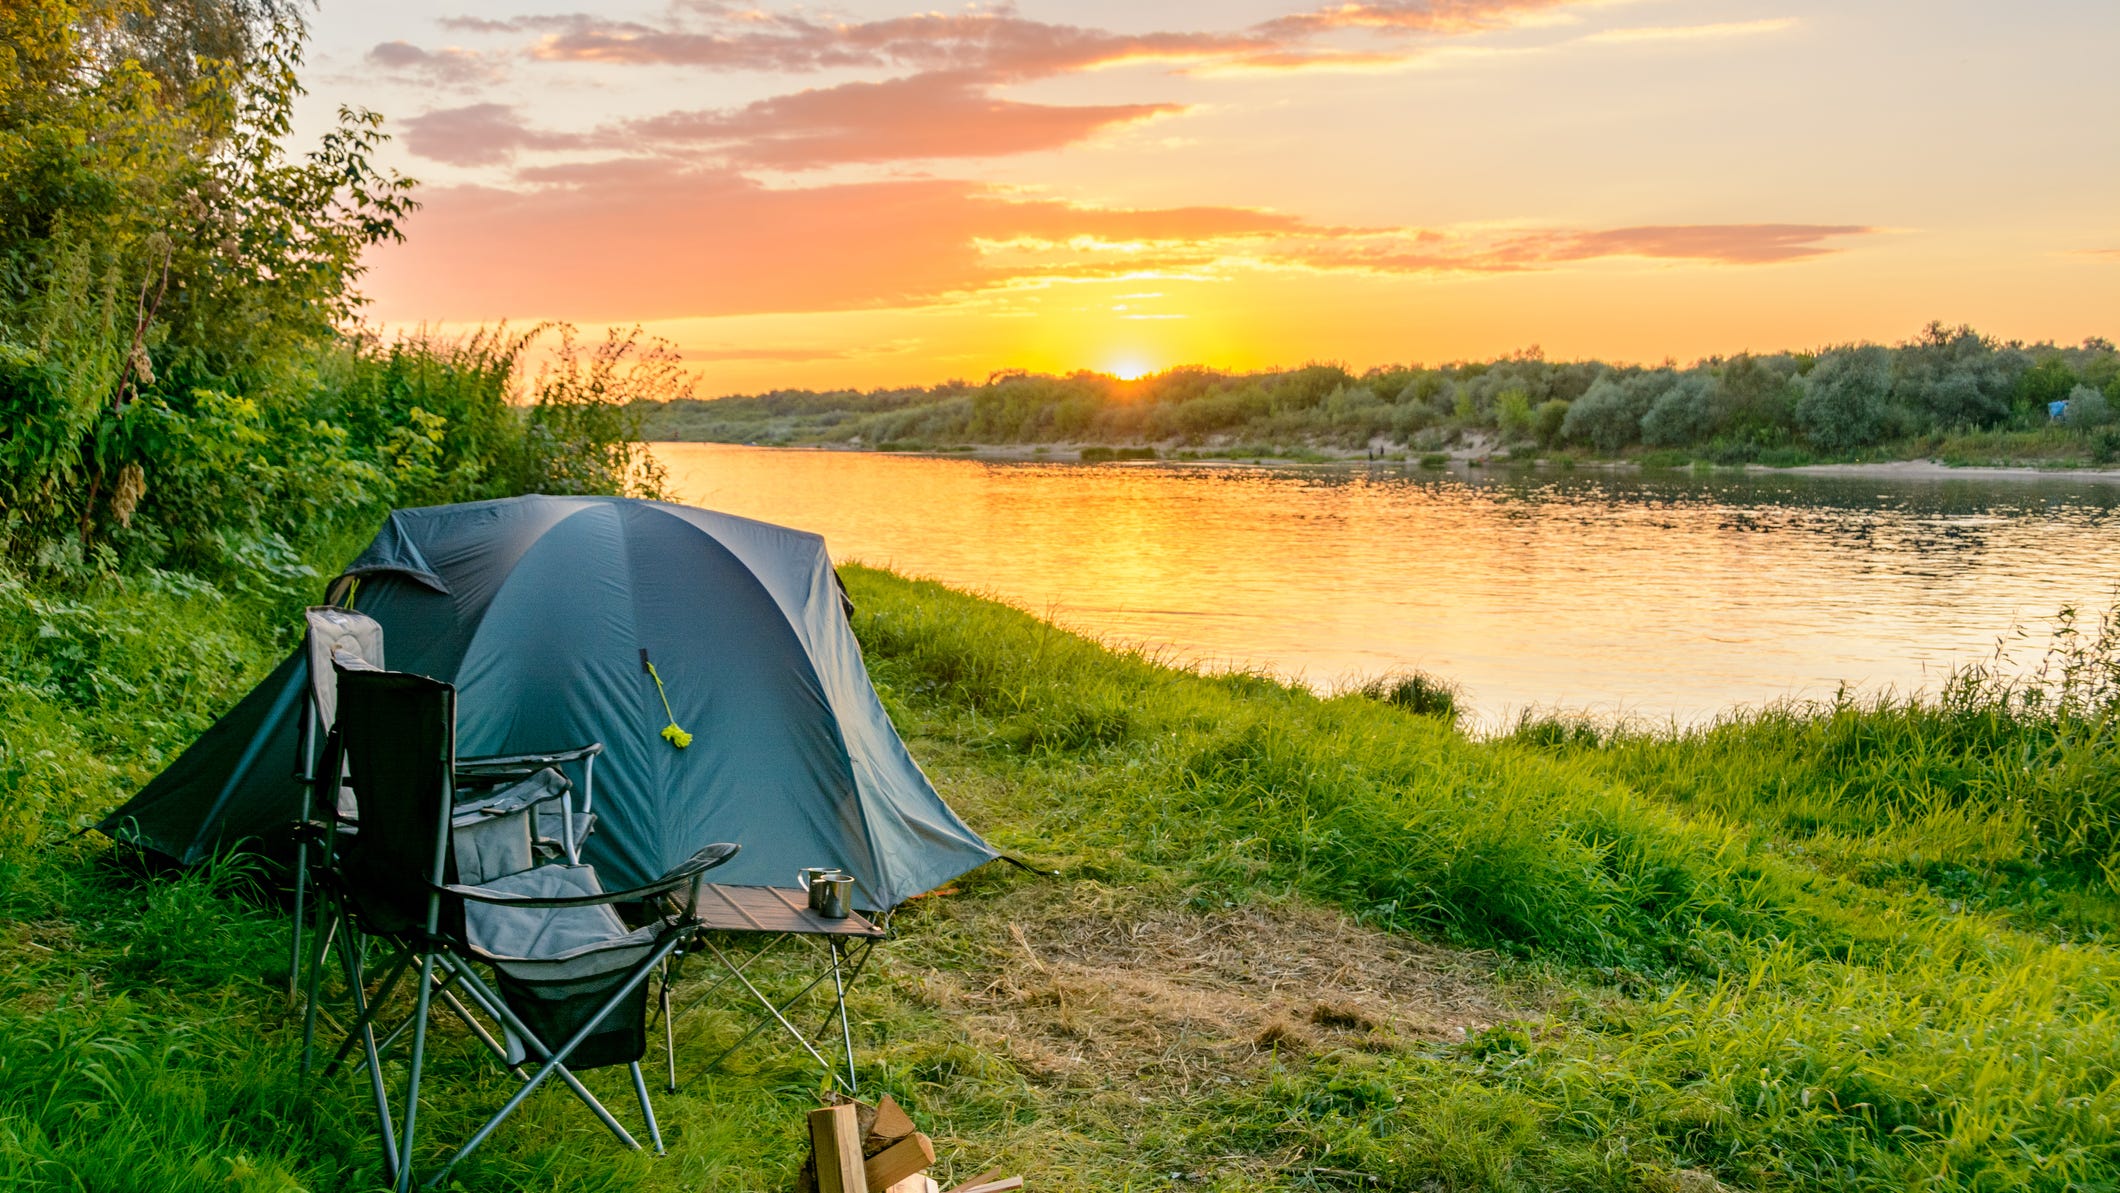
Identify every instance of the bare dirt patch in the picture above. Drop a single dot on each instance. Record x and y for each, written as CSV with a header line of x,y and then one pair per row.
x,y
1086,987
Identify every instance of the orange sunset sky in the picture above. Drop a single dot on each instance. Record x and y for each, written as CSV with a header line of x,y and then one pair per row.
x,y
874,194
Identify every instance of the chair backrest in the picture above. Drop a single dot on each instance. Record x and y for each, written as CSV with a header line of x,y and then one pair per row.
x,y
333,630
398,732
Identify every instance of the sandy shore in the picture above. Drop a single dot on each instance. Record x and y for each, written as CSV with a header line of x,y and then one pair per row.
x,y
1936,470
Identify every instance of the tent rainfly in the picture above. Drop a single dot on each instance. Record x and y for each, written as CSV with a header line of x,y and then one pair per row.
x,y
543,612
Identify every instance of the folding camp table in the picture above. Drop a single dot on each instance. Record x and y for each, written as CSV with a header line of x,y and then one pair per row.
x,y
773,915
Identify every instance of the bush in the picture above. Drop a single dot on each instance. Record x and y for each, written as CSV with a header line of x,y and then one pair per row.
x,y
1682,415
1843,403
1513,415
1546,421
2087,408
1608,416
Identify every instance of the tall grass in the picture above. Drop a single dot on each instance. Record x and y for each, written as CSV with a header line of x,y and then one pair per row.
x,y
1723,985
1734,1007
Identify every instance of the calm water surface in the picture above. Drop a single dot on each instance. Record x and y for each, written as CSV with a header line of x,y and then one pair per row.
x,y
1660,596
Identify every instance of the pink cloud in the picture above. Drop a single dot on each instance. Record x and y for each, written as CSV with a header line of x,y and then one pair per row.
x,y
924,116
449,66
635,239
944,108
480,135
995,44
1731,244
1405,16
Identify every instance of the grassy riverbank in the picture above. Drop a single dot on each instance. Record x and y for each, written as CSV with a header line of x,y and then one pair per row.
x,y
1297,942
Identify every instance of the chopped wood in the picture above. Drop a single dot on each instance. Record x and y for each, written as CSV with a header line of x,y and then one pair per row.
x,y
919,1182
835,1146
888,1125
864,1114
989,1175
900,1160
1004,1185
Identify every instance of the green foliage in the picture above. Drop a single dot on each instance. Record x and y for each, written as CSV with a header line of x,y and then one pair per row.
x,y
157,243
1547,421
1758,1011
1945,384
2087,408
584,433
1753,963
1609,415
1417,692
1513,415
1843,404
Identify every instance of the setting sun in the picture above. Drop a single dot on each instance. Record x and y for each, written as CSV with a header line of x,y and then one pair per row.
x,y
1130,370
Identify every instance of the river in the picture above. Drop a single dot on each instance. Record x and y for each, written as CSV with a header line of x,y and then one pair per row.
x,y
1654,595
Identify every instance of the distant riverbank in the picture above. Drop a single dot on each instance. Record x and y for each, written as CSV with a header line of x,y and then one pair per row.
x,y
1948,395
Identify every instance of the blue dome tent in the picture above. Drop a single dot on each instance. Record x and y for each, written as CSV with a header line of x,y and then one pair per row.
x,y
544,612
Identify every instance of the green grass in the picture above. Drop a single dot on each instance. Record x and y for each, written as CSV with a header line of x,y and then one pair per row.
x,y
1858,946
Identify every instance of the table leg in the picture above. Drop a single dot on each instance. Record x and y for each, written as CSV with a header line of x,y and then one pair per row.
x,y
846,1031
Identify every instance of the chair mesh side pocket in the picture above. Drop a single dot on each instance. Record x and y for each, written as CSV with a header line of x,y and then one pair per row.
x,y
556,1010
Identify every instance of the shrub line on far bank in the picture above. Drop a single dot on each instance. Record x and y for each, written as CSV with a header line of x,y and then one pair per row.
x,y
1949,393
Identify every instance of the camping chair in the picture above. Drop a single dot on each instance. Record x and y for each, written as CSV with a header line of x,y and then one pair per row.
x,y
435,879
333,631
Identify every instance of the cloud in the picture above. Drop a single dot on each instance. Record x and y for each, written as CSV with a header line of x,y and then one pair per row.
x,y
945,104
449,66
789,355
1728,244
1406,16
480,135
629,240
634,239
924,116
995,44
1685,33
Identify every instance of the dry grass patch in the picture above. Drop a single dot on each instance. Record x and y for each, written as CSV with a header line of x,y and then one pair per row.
x,y
1087,987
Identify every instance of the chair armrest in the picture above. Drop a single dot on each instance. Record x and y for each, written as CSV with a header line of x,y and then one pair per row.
x,y
685,872
506,764
541,786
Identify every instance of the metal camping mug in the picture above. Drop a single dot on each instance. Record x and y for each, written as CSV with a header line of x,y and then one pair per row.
x,y
809,878
837,900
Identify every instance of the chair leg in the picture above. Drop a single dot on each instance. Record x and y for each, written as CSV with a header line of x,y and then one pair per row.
x,y
669,1029
321,945
350,956
364,1027
419,1058
294,947
557,1059
647,1108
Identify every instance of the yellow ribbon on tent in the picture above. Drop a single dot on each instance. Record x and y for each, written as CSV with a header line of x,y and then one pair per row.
x,y
671,733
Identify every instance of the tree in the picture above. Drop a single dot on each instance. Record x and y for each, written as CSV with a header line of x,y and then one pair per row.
x,y
1843,403
157,242
1608,416
2087,408
1683,414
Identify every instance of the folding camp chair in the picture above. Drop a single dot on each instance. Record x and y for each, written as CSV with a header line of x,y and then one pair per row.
x,y
435,879
334,631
